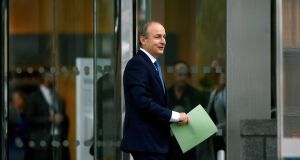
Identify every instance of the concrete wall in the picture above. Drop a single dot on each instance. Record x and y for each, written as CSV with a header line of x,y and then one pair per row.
x,y
248,67
259,139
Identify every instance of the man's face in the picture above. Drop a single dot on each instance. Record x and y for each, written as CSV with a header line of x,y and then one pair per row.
x,y
49,81
180,75
154,42
222,79
18,101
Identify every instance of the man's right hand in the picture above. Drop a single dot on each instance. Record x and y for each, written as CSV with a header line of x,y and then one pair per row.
x,y
184,119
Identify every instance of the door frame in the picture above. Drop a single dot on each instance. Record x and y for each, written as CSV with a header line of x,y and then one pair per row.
x,y
3,59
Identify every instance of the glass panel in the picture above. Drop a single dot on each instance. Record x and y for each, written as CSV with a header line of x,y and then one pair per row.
x,y
194,62
143,14
291,59
108,120
47,41
291,46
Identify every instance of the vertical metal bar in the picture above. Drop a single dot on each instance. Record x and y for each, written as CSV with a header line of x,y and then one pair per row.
x,y
54,34
127,48
54,55
95,79
4,68
118,76
134,26
279,76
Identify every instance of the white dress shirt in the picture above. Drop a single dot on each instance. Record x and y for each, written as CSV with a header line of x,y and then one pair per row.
x,y
47,94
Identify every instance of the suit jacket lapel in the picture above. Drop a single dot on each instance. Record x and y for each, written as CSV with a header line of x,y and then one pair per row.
x,y
153,70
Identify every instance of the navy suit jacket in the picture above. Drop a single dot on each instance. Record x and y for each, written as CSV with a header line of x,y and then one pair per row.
x,y
37,114
146,125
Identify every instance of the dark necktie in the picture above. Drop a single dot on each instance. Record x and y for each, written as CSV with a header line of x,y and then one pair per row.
x,y
156,64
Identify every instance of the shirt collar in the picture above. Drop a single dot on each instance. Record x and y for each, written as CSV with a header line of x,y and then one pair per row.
x,y
47,94
45,89
149,55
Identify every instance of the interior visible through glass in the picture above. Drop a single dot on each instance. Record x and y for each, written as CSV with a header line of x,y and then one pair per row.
x,y
50,79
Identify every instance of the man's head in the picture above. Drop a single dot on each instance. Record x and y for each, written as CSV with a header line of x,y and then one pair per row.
x,y
18,100
48,80
221,80
181,73
152,38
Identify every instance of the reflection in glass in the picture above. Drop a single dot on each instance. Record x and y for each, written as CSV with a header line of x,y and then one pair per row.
x,y
108,120
46,37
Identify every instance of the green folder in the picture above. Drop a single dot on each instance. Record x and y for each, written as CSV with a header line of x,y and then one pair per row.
x,y
196,131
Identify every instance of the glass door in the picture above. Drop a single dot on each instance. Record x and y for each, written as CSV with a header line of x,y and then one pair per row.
x,y
64,88
107,84
46,41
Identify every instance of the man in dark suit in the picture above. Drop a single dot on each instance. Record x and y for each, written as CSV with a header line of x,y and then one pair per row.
x,y
45,113
146,132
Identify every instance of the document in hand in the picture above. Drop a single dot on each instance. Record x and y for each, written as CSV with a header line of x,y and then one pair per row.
x,y
196,131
